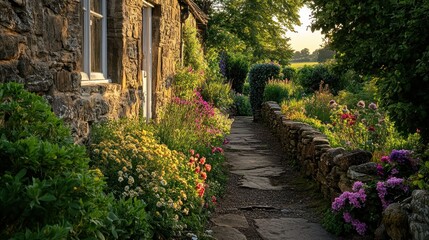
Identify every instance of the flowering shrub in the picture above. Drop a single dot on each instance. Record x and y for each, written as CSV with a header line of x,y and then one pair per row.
x,y
192,124
399,163
362,128
137,166
362,208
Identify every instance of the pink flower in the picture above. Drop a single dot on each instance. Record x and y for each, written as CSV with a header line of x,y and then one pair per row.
x,y
202,160
208,167
372,106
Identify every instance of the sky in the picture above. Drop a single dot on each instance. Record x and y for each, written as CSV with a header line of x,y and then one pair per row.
x,y
304,38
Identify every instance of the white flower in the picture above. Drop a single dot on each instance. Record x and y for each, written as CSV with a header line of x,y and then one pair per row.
x,y
127,188
130,180
120,179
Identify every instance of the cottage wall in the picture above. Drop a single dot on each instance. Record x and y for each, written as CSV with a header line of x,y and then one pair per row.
x,y
41,47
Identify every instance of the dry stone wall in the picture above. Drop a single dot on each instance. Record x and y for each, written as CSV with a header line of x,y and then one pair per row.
x,y
335,170
41,47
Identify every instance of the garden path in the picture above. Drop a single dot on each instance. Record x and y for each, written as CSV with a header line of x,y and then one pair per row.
x,y
266,198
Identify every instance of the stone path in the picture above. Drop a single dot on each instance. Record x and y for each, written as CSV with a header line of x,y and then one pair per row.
x,y
265,198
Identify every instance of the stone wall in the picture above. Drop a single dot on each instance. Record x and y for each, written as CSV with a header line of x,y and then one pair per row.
x,y
335,170
41,47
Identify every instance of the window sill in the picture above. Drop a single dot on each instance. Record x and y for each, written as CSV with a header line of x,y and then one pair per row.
x,y
96,78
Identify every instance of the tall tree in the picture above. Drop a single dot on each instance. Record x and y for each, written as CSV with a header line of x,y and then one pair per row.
x,y
389,40
257,27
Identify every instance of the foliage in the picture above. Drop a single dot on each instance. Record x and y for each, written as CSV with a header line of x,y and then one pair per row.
x,y
259,75
361,91
279,90
387,40
235,68
217,93
242,105
192,124
362,128
193,55
317,106
246,89
288,73
186,81
256,28
47,190
362,208
138,167
310,78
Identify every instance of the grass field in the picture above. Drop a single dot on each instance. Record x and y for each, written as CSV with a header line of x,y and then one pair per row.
x,y
297,65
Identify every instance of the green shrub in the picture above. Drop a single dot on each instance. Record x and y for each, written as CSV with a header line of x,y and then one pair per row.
x,y
288,73
217,93
317,106
47,190
259,75
246,89
310,78
242,105
237,69
137,166
277,91
186,82
193,55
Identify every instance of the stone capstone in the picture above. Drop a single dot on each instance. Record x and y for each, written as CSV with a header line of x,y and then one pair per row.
x,y
363,172
356,157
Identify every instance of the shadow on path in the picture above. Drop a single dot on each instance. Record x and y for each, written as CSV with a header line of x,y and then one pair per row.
x,y
266,198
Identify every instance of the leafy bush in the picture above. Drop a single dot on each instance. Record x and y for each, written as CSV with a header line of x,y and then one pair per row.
x,y
237,67
242,105
310,77
259,75
137,166
186,82
47,190
217,93
365,92
192,124
288,73
277,90
193,55
362,208
317,106
246,89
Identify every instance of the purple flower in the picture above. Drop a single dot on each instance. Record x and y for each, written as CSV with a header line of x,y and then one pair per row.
x,y
360,227
357,185
347,217
380,170
400,156
394,171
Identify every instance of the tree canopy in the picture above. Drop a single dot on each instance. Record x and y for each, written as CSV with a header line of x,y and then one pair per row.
x,y
256,27
388,40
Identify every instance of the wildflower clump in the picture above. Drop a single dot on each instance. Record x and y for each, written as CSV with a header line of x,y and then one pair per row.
x,y
137,166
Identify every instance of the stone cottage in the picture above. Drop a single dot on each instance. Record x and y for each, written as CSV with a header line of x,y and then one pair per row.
x,y
95,59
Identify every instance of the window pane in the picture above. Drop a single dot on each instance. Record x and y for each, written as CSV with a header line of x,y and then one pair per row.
x,y
96,30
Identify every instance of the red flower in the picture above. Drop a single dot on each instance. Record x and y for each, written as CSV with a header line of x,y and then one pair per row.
x,y
202,160
371,129
197,169
208,167
203,175
192,152
214,200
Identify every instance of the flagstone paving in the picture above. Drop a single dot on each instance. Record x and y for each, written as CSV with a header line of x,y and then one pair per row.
x,y
266,197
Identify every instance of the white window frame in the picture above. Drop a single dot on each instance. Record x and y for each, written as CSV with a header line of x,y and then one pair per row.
x,y
89,77
147,60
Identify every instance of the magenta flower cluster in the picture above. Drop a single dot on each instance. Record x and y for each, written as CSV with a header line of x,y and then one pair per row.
x,y
350,200
392,184
399,163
